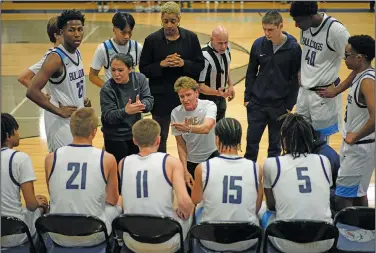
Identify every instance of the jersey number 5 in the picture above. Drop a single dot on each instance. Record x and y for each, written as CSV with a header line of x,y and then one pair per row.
x,y
80,87
307,187
232,198
76,167
310,57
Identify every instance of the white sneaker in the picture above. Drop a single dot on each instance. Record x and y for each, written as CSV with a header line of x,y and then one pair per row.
x,y
106,8
99,8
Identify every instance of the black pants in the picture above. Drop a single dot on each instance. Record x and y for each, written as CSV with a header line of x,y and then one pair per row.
x,y
372,5
192,166
258,118
164,122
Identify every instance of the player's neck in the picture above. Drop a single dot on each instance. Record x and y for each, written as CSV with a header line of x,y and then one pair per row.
x,y
229,151
147,151
82,141
70,49
363,67
317,20
7,145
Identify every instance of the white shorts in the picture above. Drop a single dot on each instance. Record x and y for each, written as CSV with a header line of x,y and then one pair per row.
x,y
18,239
58,131
171,246
355,172
111,212
325,114
293,247
237,246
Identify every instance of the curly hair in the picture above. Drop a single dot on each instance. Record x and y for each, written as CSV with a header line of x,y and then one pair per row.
x,y
363,44
303,8
68,15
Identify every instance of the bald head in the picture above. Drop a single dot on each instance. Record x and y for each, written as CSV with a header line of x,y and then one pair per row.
x,y
219,39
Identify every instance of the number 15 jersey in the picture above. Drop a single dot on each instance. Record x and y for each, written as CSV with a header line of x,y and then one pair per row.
x,y
320,62
301,186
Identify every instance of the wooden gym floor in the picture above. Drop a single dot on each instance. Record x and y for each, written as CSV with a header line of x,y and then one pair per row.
x,y
24,42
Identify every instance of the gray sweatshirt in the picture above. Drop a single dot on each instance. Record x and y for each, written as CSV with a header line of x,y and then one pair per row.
x,y
116,123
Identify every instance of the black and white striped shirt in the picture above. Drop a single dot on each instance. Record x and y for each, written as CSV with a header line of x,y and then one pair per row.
x,y
217,67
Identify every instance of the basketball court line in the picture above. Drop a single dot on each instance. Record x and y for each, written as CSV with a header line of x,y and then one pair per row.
x,y
25,98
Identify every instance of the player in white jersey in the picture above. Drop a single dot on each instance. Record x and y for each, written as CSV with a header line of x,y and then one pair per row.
x,y
323,41
297,184
82,179
148,182
17,174
54,35
120,43
229,187
358,146
64,70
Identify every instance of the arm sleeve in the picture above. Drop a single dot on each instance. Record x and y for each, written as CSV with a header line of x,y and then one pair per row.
x,y
99,58
24,171
145,96
110,113
211,111
193,67
251,72
338,38
147,65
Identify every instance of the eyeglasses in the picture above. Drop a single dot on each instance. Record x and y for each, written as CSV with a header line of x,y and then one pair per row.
x,y
350,54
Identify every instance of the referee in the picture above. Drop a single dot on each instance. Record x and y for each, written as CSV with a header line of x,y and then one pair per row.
x,y
215,82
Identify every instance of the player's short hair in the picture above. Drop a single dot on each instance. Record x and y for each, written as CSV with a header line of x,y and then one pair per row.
x,y
145,132
229,132
363,44
303,8
83,122
122,19
68,15
52,29
127,59
296,135
171,8
185,82
272,18
8,126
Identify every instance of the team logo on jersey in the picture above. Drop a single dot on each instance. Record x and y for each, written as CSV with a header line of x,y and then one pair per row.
x,y
349,99
360,235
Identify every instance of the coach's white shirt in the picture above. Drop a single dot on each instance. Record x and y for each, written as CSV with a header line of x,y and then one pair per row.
x,y
199,146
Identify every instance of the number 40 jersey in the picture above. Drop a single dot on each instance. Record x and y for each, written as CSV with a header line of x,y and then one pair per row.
x,y
320,63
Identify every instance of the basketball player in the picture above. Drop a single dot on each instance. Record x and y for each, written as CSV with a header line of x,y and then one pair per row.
x,y
64,70
17,174
148,182
229,186
297,184
82,179
323,40
120,43
358,146
54,35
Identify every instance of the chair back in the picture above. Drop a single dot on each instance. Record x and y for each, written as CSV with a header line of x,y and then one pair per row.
x,y
361,217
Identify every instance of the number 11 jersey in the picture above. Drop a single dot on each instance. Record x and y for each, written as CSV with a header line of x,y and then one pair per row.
x,y
320,63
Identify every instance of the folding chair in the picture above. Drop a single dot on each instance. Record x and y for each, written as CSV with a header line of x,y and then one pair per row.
x,y
71,225
356,227
299,231
224,233
11,226
148,229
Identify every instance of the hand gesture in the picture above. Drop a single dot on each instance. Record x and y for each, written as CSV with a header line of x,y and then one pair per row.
x,y
182,127
189,179
328,92
42,201
87,102
136,107
66,111
181,215
231,93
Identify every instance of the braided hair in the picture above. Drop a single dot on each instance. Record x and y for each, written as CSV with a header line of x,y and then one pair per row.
x,y
8,126
296,134
229,132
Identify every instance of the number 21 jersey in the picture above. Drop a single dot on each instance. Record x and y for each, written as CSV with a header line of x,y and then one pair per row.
x,y
320,62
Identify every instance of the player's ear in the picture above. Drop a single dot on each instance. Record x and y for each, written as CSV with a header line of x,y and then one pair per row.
x,y
94,132
135,142
158,141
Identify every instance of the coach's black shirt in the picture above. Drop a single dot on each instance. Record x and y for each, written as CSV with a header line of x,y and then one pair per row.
x,y
161,80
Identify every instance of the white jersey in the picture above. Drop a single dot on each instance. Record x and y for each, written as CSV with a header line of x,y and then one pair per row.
x,y
77,183
37,66
145,186
357,113
322,51
108,49
301,186
69,89
230,186
16,169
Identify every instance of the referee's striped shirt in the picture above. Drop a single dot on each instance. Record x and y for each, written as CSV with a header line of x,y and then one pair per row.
x,y
217,67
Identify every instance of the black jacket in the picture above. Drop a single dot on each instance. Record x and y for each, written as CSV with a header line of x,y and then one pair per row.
x,y
272,79
161,80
